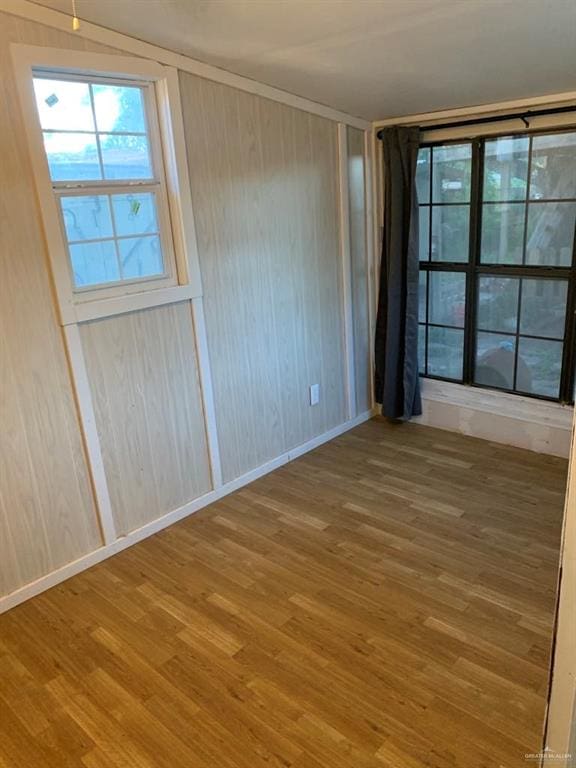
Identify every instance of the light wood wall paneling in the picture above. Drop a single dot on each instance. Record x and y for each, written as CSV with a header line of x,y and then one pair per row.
x,y
47,511
143,371
264,187
359,267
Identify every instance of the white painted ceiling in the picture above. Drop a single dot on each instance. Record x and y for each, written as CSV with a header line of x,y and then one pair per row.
x,y
370,58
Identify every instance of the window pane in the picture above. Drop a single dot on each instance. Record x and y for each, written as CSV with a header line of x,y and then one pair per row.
x,y
445,352
125,157
502,234
87,217
94,263
553,171
119,108
539,366
135,214
447,297
141,257
550,238
498,304
423,175
495,360
451,173
450,233
63,105
424,233
543,311
422,349
422,297
506,168
72,156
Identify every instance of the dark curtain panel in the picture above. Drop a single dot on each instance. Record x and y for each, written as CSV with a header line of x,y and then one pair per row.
x,y
396,345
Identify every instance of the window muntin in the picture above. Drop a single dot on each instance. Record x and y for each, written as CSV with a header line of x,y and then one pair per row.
x,y
444,176
520,277
102,147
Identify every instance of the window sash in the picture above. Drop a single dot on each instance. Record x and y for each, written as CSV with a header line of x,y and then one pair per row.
x,y
94,187
475,269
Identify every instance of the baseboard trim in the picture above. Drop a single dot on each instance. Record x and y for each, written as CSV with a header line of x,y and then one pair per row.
x,y
97,556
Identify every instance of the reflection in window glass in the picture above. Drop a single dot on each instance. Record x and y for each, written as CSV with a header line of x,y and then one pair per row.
x,y
543,310
539,366
506,168
550,237
498,304
87,217
424,233
447,296
422,296
108,221
94,263
502,233
140,256
135,213
423,175
445,352
451,173
450,233
495,355
553,171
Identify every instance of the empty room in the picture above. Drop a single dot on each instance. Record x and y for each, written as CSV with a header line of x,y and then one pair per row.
x,y
287,375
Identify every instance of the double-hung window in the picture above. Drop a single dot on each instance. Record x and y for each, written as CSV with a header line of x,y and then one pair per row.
x,y
107,146
497,261
102,145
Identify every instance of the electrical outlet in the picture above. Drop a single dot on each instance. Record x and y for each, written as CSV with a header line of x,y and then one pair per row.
x,y
314,394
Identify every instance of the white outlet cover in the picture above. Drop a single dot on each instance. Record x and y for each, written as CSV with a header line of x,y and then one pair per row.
x,y
314,394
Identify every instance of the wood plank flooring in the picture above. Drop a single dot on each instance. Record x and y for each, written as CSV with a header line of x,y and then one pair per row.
x,y
383,602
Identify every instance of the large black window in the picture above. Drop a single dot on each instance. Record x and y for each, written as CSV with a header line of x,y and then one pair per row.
x,y
497,262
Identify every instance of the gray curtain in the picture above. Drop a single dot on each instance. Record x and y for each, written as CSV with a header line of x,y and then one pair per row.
x,y
397,384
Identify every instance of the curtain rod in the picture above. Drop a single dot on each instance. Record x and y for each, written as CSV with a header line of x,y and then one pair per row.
x,y
496,119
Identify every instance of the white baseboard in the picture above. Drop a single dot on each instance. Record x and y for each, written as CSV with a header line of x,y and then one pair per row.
x,y
71,569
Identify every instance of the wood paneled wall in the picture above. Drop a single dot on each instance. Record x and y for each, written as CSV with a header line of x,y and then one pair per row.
x,y
360,268
264,185
265,195
144,376
47,513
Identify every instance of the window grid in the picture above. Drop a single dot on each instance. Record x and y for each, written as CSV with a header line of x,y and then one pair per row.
x,y
154,243
475,269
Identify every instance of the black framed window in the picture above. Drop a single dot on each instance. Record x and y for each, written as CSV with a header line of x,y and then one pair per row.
x,y
497,262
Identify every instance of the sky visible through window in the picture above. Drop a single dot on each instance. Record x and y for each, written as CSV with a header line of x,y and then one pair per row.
x,y
96,132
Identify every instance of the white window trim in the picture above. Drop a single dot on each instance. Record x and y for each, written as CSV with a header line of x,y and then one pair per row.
x,y
186,280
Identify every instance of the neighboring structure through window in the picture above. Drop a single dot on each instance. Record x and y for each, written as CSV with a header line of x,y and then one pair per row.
x,y
497,280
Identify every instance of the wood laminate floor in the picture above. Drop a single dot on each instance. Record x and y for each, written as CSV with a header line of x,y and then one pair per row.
x,y
383,602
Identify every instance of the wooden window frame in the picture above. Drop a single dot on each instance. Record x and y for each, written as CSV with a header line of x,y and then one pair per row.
x,y
168,153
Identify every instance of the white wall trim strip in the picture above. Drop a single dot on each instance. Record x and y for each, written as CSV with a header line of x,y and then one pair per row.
x,y
561,717
132,302
346,269
71,569
108,37
95,463
371,286
205,374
